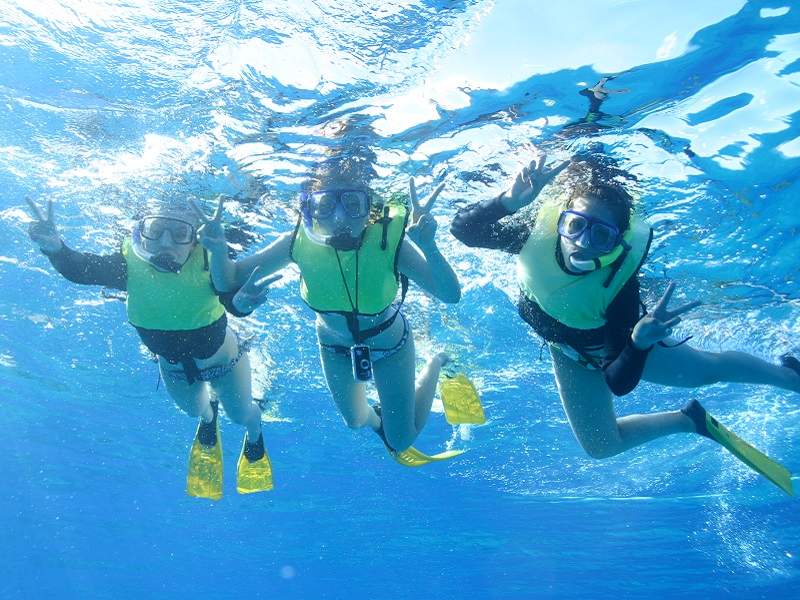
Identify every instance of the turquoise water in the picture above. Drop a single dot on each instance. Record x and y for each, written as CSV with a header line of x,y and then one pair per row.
x,y
107,103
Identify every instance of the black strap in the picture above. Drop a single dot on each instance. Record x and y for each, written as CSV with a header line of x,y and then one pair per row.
x,y
352,317
190,369
385,220
373,331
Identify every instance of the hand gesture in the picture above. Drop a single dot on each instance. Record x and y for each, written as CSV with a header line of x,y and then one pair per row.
x,y
43,229
212,233
422,230
657,325
530,181
254,291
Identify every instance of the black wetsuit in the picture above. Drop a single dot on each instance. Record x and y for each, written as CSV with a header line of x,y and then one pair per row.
x,y
481,225
111,271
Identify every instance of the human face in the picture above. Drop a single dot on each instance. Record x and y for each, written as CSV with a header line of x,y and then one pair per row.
x,y
170,240
588,245
339,210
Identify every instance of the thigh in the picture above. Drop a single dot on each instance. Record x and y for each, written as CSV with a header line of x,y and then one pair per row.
x,y
234,389
189,397
348,394
587,401
679,366
394,379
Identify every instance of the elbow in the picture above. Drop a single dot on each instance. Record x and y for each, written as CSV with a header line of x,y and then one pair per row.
x,y
617,387
452,298
458,231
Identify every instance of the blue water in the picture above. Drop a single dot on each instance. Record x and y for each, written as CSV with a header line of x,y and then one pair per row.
x,y
107,103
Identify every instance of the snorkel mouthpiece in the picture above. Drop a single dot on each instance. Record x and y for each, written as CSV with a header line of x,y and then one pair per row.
x,y
584,265
343,241
166,262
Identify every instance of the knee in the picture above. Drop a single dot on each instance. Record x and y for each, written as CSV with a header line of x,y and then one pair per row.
x,y
192,410
240,415
600,449
355,421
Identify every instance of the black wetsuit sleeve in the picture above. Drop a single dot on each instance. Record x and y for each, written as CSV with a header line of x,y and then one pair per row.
x,y
624,363
226,299
91,269
479,226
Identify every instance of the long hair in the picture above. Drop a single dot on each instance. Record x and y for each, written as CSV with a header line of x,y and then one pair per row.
x,y
349,160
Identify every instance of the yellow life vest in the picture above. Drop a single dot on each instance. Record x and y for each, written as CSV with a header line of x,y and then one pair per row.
x,y
170,301
579,301
364,280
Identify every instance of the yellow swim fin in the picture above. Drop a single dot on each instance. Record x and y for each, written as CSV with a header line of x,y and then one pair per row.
x,y
462,405
254,470
755,459
411,457
205,460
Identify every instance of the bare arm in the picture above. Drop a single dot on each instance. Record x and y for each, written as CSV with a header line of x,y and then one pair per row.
x,y
269,260
430,270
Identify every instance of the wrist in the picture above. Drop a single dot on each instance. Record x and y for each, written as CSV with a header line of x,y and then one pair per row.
x,y
639,345
430,249
47,250
508,201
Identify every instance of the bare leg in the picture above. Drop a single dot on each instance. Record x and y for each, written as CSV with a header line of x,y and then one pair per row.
x,y
588,404
405,406
348,394
684,366
191,399
235,389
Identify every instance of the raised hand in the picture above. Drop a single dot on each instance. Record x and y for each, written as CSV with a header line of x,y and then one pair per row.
x,y
43,229
530,181
212,232
254,291
657,325
422,230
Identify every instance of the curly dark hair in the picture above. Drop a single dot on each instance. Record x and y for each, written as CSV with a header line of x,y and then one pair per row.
x,y
599,177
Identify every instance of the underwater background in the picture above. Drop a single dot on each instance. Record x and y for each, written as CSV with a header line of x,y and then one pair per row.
x,y
108,103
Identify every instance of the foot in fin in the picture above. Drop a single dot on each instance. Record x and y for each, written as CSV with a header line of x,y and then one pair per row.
x,y
462,405
254,469
791,362
708,426
205,460
411,457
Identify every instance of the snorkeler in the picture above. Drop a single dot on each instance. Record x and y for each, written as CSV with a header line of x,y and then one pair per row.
x,y
578,268
180,318
354,255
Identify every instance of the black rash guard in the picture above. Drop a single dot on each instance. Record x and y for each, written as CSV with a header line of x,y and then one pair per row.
x,y
111,271
480,225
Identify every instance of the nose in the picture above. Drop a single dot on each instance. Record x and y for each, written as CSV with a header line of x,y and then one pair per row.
x,y
583,241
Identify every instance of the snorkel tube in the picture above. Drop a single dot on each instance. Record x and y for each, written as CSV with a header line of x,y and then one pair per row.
x,y
340,240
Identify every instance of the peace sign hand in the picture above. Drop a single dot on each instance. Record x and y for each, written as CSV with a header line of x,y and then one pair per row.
x,y
657,325
212,233
418,210
422,230
43,229
254,291
530,181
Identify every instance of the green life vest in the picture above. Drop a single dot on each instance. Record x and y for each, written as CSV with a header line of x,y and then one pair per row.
x,y
579,301
328,278
170,301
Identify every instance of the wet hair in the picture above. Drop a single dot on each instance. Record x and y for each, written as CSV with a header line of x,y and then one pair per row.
x,y
599,178
348,160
